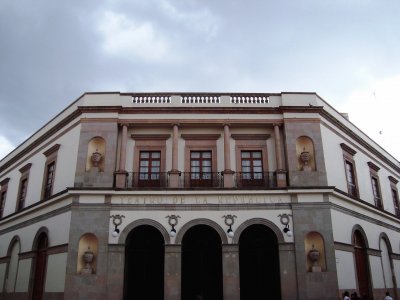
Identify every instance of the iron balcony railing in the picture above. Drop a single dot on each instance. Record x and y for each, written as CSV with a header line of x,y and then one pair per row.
x,y
147,180
201,180
255,180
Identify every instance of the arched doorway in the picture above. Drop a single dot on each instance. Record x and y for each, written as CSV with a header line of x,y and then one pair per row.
x,y
362,264
40,266
144,264
259,264
201,264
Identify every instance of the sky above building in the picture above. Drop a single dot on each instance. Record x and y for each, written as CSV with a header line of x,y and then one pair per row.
x,y
347,52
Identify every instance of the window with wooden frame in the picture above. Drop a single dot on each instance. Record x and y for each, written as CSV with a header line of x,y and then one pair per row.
x,y
23,187
395,195
149,168
376,189
49,171
149,160
3,195
200,163
252,167
252,161
200,168
350,170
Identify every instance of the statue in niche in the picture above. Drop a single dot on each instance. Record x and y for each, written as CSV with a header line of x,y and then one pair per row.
x,y
305,158
88,258
314,256
96,158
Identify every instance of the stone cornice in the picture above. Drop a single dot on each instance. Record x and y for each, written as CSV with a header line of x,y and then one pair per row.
x,y
250,136
200,136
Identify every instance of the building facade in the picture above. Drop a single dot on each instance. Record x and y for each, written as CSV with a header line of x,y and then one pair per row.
x,y
199,196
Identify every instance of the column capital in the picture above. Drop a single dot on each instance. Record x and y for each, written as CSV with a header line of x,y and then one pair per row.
x,y
277,124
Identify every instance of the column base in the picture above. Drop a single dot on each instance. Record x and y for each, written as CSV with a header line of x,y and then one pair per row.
x,y
120,179
228,178
281,180
174,178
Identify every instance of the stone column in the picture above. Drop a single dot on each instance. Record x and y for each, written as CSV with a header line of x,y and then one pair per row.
x,y
172,272
280,172
230,271
174,173
115,271
121,174
228,173
287,264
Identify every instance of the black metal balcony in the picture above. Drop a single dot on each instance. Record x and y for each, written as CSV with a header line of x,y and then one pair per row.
x,y
202,180
137,180
260,180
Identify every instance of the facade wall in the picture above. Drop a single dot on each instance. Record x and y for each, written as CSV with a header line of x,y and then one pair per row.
x,y
305,206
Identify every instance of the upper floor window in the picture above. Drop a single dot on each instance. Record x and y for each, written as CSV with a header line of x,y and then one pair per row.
x,y
200,168
22,194
395,195
3,195
149,168
23,186
376,191
2,202
350,170
48,189
252,166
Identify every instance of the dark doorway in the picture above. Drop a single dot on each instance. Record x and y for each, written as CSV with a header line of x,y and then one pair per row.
x,y
201,264
259,264
362,265
40,267
144,264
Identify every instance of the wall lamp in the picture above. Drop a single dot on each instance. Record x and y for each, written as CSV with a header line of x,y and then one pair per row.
x,y
172,221
229,220
117,220
285,220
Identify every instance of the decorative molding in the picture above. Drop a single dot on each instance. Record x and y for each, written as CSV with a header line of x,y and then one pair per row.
x,y
349,150
373,166
250,136
4,181
344,247
374,252
5,259
200,136
25,168
27,255
391,178
51,150
57,249
143,137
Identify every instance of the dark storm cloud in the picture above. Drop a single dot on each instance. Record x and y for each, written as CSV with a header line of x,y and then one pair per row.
x,y
53,51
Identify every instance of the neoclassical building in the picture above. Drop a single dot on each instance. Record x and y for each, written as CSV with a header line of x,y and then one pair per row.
x,y
199,196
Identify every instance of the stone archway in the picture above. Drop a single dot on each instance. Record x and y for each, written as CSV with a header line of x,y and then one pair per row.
x,y
259,263
201,263
144,264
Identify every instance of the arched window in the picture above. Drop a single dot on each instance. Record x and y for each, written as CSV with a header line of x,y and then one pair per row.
x,y
12,269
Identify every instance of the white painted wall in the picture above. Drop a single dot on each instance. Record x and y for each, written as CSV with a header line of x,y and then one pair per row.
x,y
345,270
2,276
386,268
55,274
376,272
24,272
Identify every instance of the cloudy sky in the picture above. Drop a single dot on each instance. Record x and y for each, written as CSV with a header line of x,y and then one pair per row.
x,y
345,50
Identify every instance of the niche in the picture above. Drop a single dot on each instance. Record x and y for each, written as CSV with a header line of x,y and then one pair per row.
x,y
315,252
96,154
305,154
87,254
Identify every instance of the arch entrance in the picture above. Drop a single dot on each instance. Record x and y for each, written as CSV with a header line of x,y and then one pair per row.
x,y
201,263
40,266
259,263
362,265
144,264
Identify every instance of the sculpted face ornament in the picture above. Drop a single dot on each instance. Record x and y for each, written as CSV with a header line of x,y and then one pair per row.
x,y
117,220
285,220
229,221
172,221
